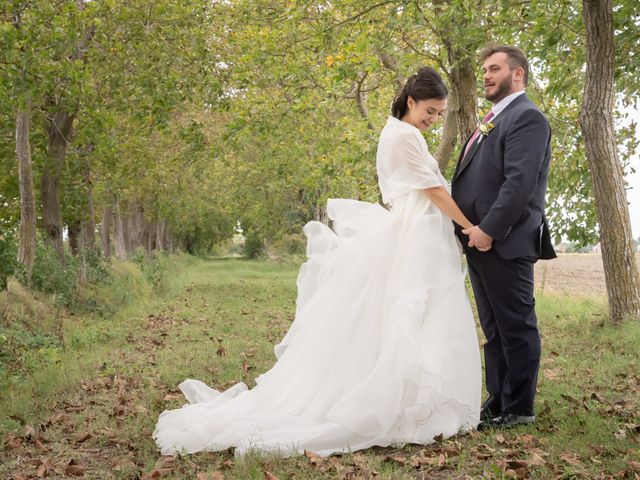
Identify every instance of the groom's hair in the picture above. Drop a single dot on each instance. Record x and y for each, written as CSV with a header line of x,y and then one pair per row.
x,y
515,57
424,85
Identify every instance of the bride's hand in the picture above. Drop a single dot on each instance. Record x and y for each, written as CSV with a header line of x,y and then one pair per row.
x,y
478,239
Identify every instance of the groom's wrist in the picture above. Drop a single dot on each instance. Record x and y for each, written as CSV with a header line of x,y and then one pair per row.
x,y
492,230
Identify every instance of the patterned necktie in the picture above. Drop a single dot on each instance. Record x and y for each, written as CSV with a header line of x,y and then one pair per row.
x,y
476,133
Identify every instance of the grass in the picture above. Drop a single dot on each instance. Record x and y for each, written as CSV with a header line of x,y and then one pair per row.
x,y
91,406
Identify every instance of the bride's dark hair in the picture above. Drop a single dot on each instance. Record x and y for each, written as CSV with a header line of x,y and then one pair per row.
x,y
425,84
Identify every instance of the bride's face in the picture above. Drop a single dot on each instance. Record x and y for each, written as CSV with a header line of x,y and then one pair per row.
x,y
424,113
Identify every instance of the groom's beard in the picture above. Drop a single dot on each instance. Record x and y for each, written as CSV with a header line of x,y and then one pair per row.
x,y
503,90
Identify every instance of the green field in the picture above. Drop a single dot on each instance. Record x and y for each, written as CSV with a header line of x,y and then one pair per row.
x,y
85,399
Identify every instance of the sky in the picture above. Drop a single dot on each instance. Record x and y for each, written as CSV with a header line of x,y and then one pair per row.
x,y
633,180
633,197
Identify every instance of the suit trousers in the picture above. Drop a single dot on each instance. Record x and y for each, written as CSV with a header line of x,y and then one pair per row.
x,y
503,291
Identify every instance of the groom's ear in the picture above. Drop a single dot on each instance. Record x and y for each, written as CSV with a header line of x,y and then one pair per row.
x,y
519,75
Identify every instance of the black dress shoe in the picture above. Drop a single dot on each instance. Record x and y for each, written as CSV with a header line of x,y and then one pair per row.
x,y
487,412
506,420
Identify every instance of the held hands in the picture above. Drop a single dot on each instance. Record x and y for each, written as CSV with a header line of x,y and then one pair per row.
x,y
478,239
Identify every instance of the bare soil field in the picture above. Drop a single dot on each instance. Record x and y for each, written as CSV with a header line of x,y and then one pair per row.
x,y
579,274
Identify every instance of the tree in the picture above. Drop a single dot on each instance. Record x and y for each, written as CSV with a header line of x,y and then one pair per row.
x,y
621,271
27,247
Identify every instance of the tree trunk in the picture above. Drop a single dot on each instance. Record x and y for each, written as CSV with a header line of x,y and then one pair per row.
x,y
463,102
464,88
168,238
105,231
135,227
27,248
89,223
391,64
149,235
74,228
361,101
82,271
121,248
461,118
161,226
596,116
449,134
60,131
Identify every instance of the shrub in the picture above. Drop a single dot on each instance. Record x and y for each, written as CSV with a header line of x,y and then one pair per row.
x,y
291,244
253,245
8,258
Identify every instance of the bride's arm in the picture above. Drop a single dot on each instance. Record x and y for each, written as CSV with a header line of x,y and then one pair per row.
x,y
442,199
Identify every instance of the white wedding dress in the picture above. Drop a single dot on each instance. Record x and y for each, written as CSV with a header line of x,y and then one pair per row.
x,y
383,349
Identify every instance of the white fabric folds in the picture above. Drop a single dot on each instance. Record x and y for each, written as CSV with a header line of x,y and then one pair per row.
x,y
383,349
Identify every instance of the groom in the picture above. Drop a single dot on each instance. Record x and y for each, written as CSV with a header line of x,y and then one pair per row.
x,y
499,184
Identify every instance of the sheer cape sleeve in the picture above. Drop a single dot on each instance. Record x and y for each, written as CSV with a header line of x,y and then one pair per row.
x,y
403,161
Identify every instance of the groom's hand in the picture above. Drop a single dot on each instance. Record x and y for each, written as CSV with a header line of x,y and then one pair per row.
x,y
478,239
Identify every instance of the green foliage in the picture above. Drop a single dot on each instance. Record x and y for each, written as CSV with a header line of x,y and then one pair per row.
x,y
210,113
49,276
291,244
254,244
8,262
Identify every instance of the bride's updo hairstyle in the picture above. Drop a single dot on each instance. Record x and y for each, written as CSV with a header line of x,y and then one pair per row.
x,y
425,84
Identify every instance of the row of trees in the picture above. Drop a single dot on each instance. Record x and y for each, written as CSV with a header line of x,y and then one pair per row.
x,y
164,124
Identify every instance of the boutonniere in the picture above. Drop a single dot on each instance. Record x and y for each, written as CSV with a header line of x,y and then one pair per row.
x,y
485,128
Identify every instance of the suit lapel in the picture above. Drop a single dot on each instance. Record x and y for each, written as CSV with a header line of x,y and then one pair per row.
x,y
465,160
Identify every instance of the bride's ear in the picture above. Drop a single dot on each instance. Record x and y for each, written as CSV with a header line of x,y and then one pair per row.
x,y
411,103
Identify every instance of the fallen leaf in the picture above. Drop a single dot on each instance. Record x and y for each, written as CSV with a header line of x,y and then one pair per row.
x,y
58,417
160,472
500,438
173,396
598,398
632,427
123,463
83,437
620,434
29,432
210,476
13,441
571,459
518,473
165,462
400,459
550,374
221,352
536,460
72,408
75,470
269,476
314,458
570,398
40,446
452,449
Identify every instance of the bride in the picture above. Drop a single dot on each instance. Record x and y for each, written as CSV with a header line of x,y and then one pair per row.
x,y
383,349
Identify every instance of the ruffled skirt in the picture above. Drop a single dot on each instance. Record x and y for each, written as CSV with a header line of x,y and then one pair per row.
x,y
383,349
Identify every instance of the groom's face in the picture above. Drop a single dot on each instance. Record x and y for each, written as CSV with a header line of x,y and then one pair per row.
x,y
497,77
